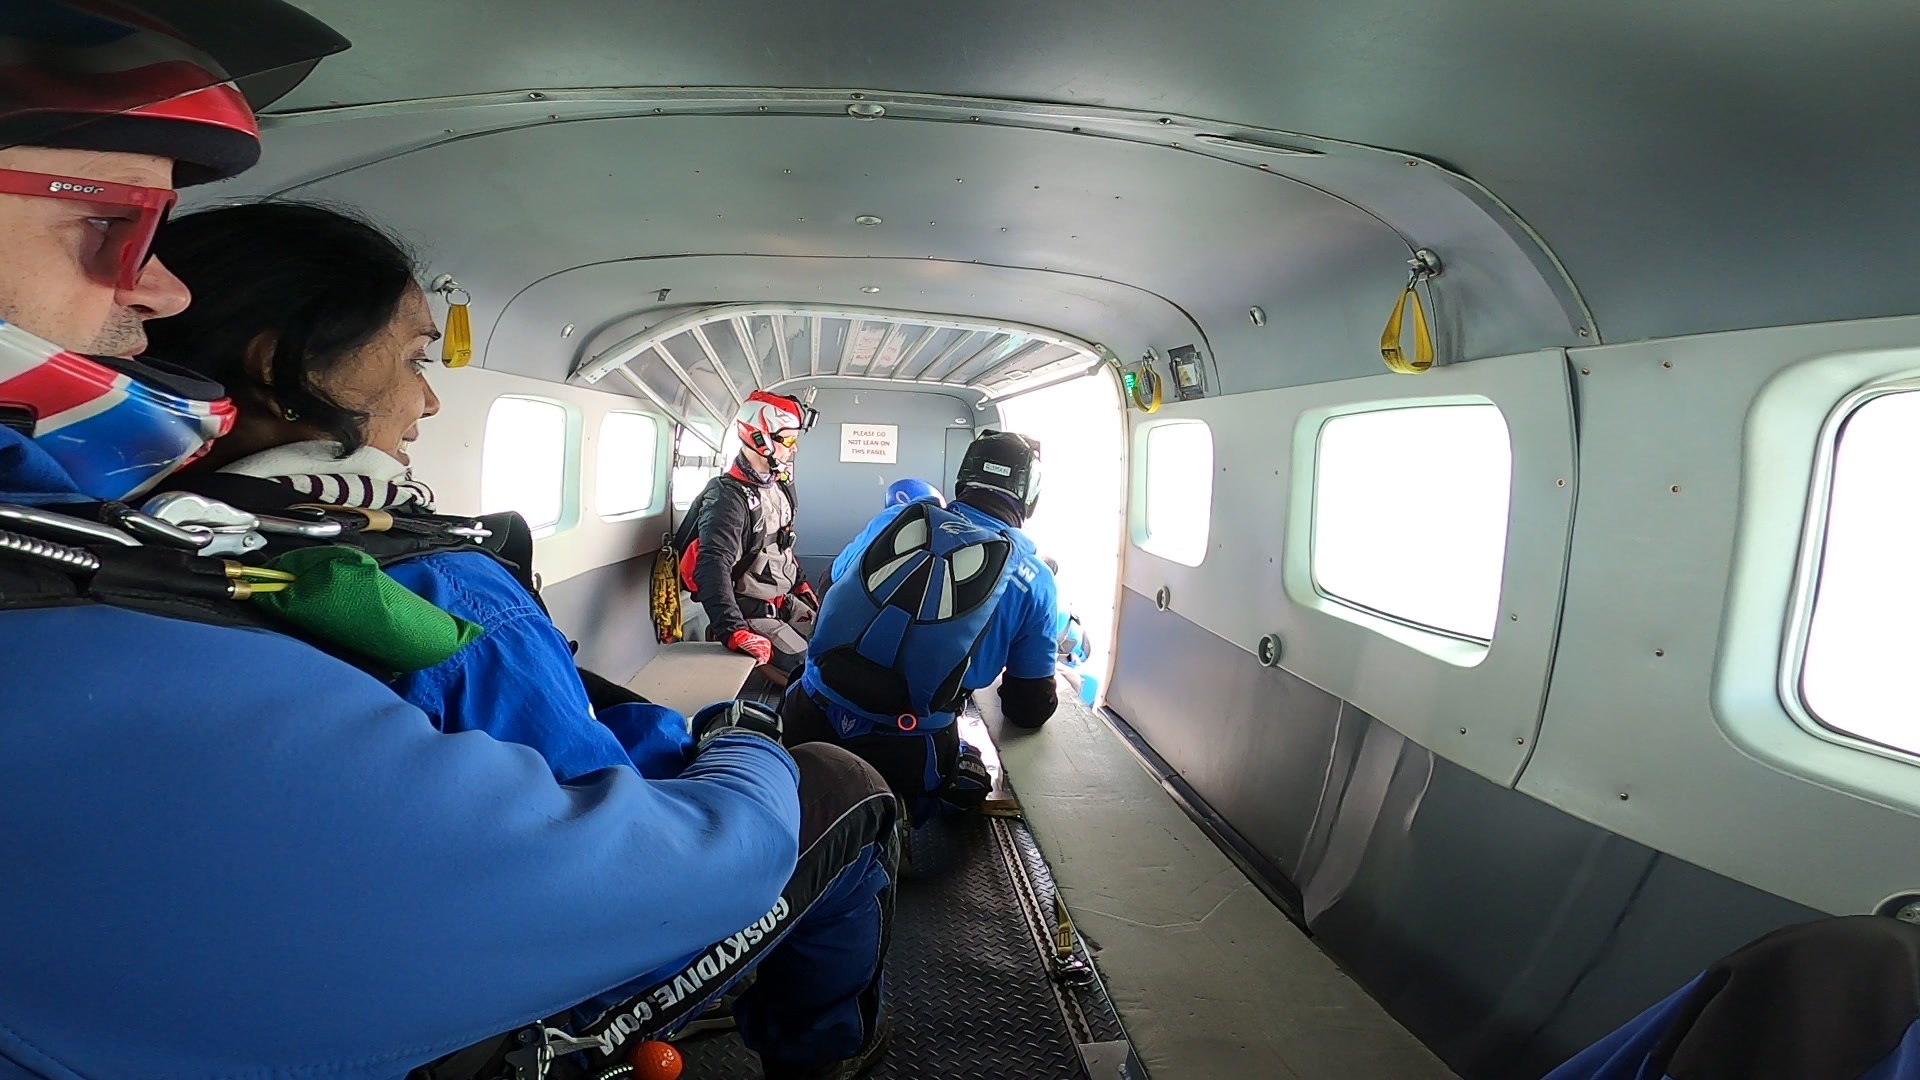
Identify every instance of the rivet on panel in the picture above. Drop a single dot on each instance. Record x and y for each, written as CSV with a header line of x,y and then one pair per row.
x,y
868,220
1463,731
1166,122
1583,331
1413,164
1675,489
1520,742
1623,796
567,330
1666,363
535,96
1659,652
1586,371
1513,617
1257,316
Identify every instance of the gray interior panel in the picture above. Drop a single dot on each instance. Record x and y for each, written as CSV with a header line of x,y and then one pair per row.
x,y
1696,166
1664,721
1257,749
1085,208
838,498
1504,933
605,610
1319,239
1256,576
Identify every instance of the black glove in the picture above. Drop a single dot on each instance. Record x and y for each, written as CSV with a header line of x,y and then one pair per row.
x,y
735,718
970,783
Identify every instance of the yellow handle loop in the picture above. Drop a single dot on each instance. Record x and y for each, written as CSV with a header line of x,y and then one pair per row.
x,y
1148,380
457,345
1390,340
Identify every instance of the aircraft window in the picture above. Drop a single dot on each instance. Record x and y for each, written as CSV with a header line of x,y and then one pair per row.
x,y
694,464
1856,675
1410,514
1178,493
627,455
523,461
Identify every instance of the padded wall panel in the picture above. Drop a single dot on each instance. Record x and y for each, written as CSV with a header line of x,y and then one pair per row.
x,y
1502,932
1253,741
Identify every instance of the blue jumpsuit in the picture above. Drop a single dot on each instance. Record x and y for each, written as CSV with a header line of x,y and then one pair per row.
x,y
230,854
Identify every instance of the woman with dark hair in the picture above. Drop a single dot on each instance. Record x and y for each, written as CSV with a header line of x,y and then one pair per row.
x,y
313,320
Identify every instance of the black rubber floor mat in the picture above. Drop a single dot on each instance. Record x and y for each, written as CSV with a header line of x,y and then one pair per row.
x,y
969,993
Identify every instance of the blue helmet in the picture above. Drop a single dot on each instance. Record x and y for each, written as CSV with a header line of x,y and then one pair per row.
x,y
906,491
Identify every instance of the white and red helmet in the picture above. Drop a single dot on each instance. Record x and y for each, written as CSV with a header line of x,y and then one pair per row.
x,y
764,415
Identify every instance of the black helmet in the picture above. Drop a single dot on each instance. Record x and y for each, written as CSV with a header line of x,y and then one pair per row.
x,y
1004,462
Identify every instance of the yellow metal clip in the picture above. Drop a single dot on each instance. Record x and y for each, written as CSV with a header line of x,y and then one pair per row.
x,y
245,581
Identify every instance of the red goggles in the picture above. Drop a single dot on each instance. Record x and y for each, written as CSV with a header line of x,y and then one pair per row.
x,y
130,217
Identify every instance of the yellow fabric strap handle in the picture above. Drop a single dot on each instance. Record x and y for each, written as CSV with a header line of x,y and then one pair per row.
x,y
1391,349
1145,388
457,345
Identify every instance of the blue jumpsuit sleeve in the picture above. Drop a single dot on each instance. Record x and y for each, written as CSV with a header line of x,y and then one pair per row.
x,y
251,859
1035,644
517,682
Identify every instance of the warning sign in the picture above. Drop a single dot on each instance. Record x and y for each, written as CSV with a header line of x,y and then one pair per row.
x,y
877,443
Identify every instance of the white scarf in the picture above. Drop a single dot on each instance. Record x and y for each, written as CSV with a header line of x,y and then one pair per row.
x,y
367,478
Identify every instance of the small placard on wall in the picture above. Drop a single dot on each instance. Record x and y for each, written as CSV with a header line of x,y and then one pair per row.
x,y
876,443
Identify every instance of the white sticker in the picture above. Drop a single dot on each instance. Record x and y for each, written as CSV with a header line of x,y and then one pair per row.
x,y
876,443
996,468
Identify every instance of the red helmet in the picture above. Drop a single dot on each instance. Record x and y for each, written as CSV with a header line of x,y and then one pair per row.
x,y
111,75
764,414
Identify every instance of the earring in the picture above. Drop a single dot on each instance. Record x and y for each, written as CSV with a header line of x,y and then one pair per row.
x,y
289,414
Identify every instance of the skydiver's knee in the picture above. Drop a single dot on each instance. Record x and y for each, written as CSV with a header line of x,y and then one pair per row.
x,y
1028,703
838,790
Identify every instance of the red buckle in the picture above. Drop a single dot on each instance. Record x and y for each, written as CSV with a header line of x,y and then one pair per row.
x,y
907,721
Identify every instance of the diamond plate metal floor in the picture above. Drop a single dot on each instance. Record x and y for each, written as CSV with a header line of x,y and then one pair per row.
x,y
970,992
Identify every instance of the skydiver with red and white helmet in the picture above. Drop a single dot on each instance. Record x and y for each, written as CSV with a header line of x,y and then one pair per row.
x,y
739,561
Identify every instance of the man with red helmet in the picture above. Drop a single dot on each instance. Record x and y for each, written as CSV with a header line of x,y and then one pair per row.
x,y
235,854
738,559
